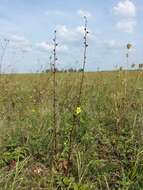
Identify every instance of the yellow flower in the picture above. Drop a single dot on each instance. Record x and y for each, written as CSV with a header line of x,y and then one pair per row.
x,y
33,110
78,110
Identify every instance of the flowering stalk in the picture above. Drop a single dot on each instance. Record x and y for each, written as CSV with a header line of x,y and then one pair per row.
x,y
78,110
129,46
54,94
84,61
50,62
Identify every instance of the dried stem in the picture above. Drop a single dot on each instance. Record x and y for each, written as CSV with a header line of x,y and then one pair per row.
x,y
54,94
127,61
75,118
50,62
84,61
129,46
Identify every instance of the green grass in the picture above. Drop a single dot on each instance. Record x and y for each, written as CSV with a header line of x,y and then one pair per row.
x,y
107,140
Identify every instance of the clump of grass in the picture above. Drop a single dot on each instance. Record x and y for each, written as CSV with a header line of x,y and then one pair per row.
x,y
100,156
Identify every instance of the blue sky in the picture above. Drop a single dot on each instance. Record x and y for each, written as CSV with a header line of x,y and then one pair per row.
x,y
29,25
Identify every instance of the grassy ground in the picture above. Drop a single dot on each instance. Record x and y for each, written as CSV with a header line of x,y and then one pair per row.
x,y
104,141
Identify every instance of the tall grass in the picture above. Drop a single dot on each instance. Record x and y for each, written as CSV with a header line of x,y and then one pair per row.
x,y
100,156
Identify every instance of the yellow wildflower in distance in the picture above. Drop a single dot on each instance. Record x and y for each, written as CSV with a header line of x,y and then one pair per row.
x,y
33,110
78,110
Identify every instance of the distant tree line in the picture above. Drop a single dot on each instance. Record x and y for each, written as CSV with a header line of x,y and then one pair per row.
x,y
69,70
73,70
134,66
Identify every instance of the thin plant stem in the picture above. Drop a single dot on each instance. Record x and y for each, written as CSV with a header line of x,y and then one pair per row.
x,y
84,61
75,118
127,69
54,94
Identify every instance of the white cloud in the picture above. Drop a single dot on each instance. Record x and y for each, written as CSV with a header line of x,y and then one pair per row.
x,y
109,44
19,42
45,46
127,26
128,11
112,44
81,30
17,38
66,33
14,37
125,8
83,13
72,35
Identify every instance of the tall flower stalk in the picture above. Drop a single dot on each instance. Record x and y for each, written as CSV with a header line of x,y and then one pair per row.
x,y
78,110
50,62
54,94
129,46
86,32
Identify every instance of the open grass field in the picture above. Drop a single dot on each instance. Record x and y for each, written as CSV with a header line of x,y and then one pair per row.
x,y
99,147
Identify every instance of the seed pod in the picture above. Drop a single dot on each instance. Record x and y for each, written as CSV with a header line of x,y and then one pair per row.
x,y
129,46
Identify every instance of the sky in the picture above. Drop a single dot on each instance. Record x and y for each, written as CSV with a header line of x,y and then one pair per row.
x,y
29,26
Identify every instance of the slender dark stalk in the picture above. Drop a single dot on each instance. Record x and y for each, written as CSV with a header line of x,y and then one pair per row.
x,y
127,61
54,94
129,46
50,62
84,61
75,118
